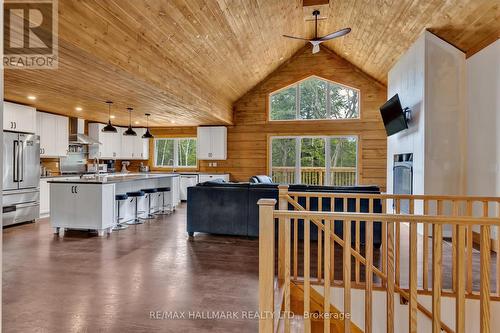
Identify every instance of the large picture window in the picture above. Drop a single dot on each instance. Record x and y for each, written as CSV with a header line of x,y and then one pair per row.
x,y
314,99
314,160
175,152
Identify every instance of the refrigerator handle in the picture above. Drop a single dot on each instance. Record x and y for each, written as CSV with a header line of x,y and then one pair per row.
x,y
16,158
21,162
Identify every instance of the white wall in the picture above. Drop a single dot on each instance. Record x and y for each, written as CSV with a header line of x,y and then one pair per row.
x,y
430,80
483,85
424,324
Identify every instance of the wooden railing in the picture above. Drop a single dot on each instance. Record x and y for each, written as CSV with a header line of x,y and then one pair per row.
x,y
462,214
339,176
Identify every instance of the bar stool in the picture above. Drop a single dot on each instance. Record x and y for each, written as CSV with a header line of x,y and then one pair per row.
x,y
162,191
135,195
118,198
149,192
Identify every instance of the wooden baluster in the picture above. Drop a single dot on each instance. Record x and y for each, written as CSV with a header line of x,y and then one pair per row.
x,y
455,212
332,241
384,240
320,241
368,274
307,275
413,303
460,280
425,262
484,293
397,243
390,277
296,246
437,236
347,274
287,274
498,250
326,297
357,241
266,265
282,205
470,249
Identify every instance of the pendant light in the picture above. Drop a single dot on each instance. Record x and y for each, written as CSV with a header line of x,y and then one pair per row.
x,y
109,128
129,130
147,135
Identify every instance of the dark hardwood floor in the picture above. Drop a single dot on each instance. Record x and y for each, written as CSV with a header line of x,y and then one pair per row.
x,y
83,283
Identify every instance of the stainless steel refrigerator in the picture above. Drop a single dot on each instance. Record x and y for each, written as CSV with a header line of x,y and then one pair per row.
x,y
21,177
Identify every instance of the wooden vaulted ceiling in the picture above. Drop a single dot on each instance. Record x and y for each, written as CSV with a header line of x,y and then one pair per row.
x,y
188,61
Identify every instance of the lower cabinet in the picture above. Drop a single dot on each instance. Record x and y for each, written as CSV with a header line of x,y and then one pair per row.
x,y
45,194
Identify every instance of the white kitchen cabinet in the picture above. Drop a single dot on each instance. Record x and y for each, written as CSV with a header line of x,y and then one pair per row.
x,y
185,182
19,118
53,132
127,144
111,143
45,194
212,143
141,146
208,177
118,146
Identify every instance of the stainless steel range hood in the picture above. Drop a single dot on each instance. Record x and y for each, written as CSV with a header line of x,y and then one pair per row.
x,y
76,136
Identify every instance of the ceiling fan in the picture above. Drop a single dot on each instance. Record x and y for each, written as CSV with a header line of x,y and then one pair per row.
x,y
318,40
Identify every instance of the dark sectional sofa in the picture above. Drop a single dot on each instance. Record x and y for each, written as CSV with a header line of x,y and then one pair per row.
x,y
231,208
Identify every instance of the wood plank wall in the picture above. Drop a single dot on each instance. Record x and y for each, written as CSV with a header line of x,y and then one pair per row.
x,y
248,138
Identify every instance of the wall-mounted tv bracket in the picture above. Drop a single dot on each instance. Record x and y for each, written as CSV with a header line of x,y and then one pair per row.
x,y
407,112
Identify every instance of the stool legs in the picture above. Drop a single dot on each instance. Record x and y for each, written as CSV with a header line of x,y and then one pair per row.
x,y
119,226
136,219
149,216
163,206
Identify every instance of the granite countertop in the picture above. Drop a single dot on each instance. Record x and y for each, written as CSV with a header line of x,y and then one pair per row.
x,y
113,178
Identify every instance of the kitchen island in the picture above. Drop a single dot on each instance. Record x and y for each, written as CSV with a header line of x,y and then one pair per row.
x,y
88,203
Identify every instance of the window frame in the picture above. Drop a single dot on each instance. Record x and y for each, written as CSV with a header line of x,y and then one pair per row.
x,y
297,102
175,160
298,148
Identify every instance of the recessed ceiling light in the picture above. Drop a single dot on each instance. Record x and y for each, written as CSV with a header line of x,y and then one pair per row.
x,y
172,121
78,108
31,97
136,122
112,117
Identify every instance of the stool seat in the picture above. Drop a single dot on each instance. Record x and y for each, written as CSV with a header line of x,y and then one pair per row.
x,y
149,190
136,194
121,197
163,189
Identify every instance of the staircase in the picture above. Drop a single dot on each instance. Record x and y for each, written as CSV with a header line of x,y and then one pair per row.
x,y
408,294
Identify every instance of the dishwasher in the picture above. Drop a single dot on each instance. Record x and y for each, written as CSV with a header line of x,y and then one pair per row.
x,y
187,181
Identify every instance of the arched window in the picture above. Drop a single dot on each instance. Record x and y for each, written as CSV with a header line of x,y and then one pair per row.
x,y
314,99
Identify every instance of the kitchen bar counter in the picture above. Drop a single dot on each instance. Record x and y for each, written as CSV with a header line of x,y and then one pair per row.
x,y
89,203
114,178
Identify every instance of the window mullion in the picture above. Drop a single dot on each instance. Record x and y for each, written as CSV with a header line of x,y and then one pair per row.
x,y
298,178
328,163
297,102
328,100
176,153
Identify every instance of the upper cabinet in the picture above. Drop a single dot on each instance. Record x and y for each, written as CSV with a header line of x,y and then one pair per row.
x,y
54,133
116,145
212,143
19,118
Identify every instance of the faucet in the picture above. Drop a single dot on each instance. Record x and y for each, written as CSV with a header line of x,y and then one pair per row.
x,y
173,167
96,166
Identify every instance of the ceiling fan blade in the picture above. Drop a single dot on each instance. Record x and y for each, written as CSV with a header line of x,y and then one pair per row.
x,y
335,34
300,38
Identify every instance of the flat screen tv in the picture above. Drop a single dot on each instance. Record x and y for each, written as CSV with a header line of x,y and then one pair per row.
x,y
393,116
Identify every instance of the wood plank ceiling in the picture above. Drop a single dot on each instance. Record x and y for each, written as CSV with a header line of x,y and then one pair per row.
x,y
188,61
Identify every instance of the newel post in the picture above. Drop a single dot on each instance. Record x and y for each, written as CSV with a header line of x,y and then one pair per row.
x,y
266,265
282,205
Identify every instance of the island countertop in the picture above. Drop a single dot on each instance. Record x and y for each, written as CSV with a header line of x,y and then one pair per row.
x,y
114,178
